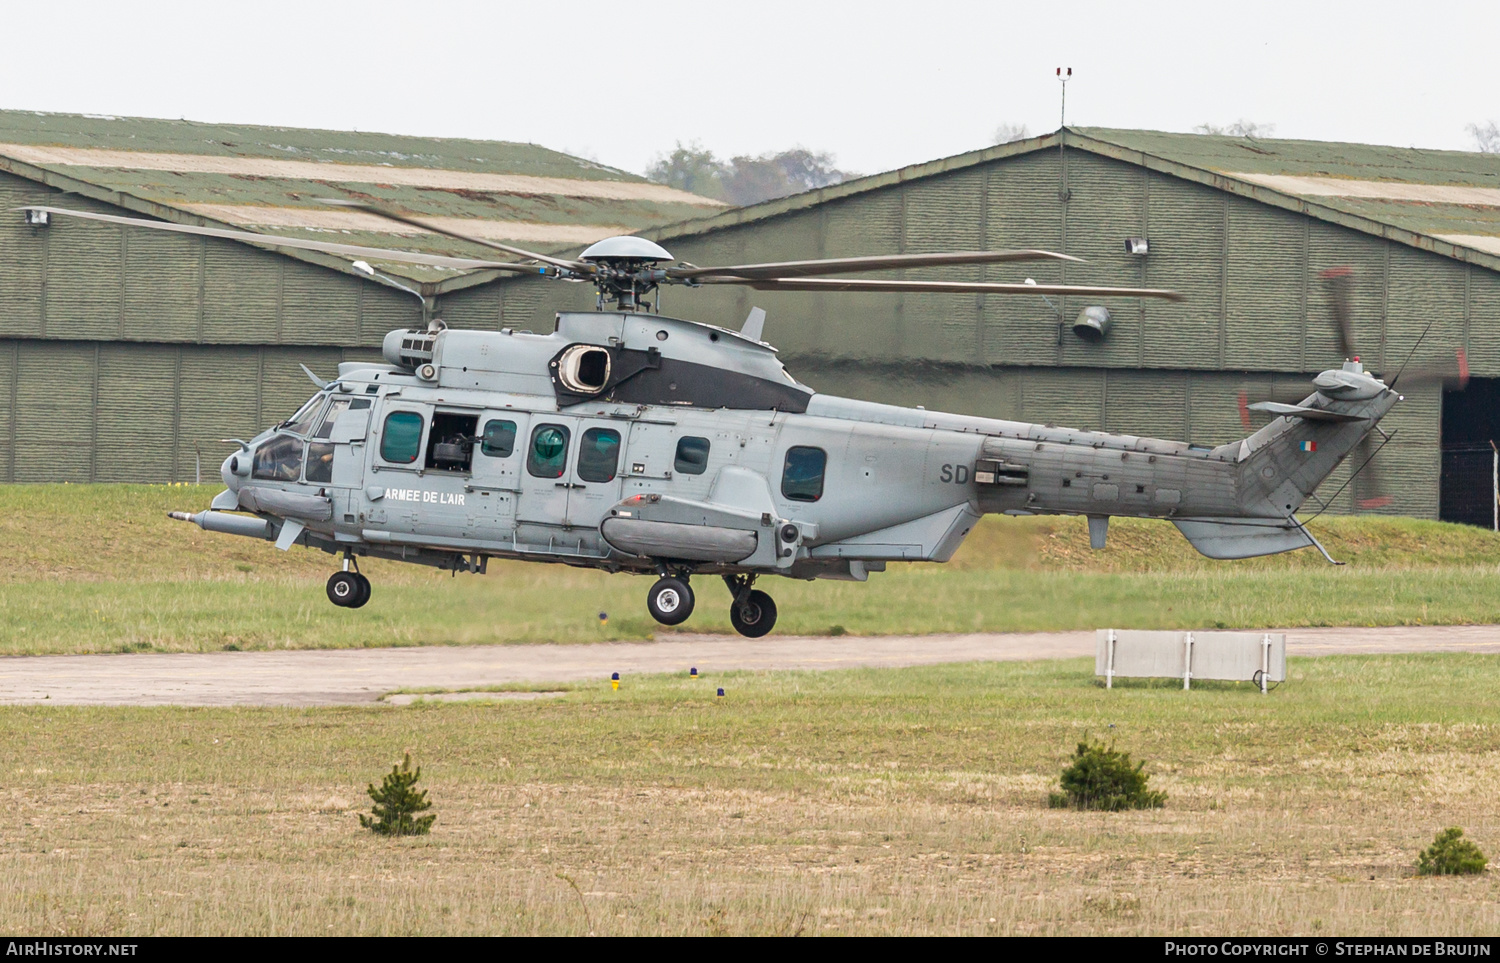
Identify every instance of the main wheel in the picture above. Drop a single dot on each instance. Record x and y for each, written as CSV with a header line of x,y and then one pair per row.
x,y
364,592
343,589
670,601
755,617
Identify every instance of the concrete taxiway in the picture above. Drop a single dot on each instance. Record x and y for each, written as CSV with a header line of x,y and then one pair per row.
x,y
344,676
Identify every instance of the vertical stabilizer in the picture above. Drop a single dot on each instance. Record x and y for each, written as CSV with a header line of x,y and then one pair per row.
x,y
1280,466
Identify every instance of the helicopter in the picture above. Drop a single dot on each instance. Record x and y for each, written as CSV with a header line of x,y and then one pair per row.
x,y
629,441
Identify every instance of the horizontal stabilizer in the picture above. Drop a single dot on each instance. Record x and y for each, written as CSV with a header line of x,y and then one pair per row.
x,y
1243,537
1302,411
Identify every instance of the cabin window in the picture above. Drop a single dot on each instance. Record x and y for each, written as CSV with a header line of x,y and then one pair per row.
x,y
401,442
499,438
692,456
320,461
450,443
339,406
279,459
599,455
548,456
802,475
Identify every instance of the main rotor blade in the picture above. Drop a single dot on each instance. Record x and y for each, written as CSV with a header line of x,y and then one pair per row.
x,y
941,287
296,243
1452,373
580,267
846,265
1337,282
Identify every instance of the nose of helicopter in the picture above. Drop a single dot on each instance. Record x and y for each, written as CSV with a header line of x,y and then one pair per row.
x,y
230,470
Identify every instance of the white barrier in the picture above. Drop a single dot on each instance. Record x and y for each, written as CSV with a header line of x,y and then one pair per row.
x,y
1258,657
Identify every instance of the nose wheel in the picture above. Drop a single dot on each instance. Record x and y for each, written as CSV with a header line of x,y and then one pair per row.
x,y
752,612
348,589
670,600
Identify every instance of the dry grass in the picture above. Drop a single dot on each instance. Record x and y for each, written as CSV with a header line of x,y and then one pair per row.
x,y
892,801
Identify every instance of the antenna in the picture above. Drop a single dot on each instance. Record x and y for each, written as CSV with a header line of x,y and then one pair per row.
x,y
1064,74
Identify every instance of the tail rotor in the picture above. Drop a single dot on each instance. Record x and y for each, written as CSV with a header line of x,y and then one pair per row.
x,y
1370,491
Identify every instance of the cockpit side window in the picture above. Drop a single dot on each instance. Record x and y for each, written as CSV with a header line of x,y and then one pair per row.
x,y
339,406
279,459
320,461
306,416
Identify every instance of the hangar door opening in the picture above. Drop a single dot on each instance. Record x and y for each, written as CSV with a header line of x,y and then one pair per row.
x,y
1471,421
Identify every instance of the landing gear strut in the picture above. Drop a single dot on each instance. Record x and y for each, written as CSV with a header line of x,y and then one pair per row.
x,y
670,600
348,589
752,612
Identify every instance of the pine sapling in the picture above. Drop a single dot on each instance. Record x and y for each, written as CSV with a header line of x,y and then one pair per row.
x,y
1451,855
397,802
1101,778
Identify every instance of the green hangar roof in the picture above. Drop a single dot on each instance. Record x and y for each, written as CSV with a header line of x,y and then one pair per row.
x,y
277,180
1447,202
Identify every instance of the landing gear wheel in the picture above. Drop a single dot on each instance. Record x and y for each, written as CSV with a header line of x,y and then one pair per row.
x,y
364,592
670,601
755,616
344,590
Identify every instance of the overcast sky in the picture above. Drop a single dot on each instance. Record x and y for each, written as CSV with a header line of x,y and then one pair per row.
x,y
879,84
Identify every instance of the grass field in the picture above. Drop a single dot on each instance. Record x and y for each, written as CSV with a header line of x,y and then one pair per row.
x,y
905,801
100,569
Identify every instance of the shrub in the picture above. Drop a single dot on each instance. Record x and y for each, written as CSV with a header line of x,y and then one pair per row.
x,y
397,802
1101,778
1450,855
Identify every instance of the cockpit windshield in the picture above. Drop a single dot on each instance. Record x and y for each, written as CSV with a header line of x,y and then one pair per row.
x,y
301,423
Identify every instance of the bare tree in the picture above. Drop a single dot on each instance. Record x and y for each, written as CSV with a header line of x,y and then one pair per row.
x,y
1240,128
1486,137
746,180
1008,132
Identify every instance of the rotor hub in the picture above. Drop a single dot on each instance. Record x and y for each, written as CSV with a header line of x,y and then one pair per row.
x,y
626,268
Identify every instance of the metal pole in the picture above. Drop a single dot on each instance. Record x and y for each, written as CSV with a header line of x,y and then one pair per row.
x,y
1495,486
1187,668
1109,662
1265,661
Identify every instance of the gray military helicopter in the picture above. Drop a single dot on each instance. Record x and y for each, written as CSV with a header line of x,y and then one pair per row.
x,y
632,442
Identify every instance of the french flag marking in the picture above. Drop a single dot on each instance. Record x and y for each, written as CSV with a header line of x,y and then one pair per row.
x,y
1308,446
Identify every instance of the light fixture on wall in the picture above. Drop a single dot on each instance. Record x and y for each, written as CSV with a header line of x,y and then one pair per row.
x,y
1092,323
37,217
1138,246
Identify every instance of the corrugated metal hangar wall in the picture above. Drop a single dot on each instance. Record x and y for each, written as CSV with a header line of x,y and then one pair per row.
x,y
122,353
